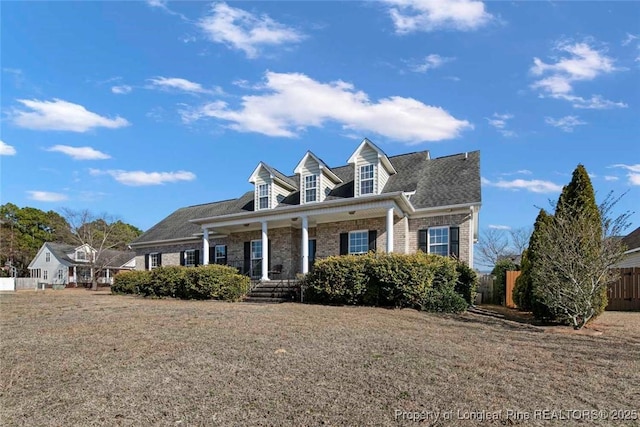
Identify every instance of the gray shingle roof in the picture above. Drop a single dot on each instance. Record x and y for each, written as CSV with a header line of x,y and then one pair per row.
x,y
112,257
632,240
442,181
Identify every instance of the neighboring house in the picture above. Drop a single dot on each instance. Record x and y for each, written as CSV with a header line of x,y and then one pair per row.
x,y
62,264
400,204
632,255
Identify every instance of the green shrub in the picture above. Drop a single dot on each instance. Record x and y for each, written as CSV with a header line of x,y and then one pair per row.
x,y
338,280
129,282
444,301
213,282
467,282
166,281
500,282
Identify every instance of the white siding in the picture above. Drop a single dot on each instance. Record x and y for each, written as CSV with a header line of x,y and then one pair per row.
x,y
326,185
277,194
366,156
310,167
630,260
262,178
383,177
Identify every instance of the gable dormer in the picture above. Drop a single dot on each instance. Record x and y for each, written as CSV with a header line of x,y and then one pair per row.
x,y
316,179
83,253
270,186
372,169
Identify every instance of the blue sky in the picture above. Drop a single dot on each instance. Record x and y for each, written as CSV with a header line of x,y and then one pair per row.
x,y
137,109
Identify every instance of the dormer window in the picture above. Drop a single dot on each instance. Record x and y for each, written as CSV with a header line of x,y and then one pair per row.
x,y
263,196
81,255
366,179
311,188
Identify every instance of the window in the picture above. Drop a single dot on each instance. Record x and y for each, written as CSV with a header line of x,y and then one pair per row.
x,y
311,188
256,258
35,273
60,274
81,255
154,261
358,242
190,258
47,256
263,196
45,274
220,254
366,179
439,241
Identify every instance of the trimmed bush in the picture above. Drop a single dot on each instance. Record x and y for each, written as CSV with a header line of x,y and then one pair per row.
x,y
467,282
444,301
338,280
129,282
500,282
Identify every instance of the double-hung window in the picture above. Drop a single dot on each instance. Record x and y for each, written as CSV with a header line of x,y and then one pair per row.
x,y
358,242
311,188
220,254
263,196
366,179
439,241
190,258
47,256
154,260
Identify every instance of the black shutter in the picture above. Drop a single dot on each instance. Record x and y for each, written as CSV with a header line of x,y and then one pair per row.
x,y
454,242
247,257
159,259
422,241
344,243
212,254
197,257
182,258
146,261
373,234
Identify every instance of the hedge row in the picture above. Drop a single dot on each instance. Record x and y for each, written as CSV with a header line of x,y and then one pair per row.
x,y
203,282
426,282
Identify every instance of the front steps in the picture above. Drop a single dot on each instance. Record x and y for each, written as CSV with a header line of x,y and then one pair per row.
x,y
273,291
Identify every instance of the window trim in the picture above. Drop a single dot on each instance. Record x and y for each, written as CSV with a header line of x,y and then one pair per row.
x,y
366,233
45,274
216,258
152,256
265,196
429,244
47,257
363,180
187,253
314,188
60,275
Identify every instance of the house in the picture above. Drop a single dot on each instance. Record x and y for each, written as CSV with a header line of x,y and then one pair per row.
x,y
632,254
63,264
402,204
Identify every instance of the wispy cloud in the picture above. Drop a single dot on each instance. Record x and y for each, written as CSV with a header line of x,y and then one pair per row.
x,y
611,178
121,89
141,178
6,149
430,15
62,116
80,153
629,38
531,185
242,30
293,102
162,5
499,227
181,85
499,121
429,62
634,172
46,196
566,123
578,62
518,172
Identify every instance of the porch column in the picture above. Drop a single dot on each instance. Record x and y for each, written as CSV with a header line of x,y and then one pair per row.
x,y
75,274
205,246
390,230
265,252
305,245
108,277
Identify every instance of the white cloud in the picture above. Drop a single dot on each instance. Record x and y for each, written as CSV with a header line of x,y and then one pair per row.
x,y
499,227
430,62
610,178
518,172
634,172
499,121
46,196
430,15
140,178
532,185
577,62
182,85
162,5
629,39
245,31
121,89
80,153
293,102
61,115
6,149
566,123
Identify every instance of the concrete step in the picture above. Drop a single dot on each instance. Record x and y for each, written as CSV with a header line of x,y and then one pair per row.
x,y
265,300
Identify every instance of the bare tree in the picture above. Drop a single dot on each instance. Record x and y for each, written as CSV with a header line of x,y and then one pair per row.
x,y
575,259
96,232
497,243
520,239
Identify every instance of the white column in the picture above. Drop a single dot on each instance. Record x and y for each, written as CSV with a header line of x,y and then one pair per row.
x,y
205,246
75,274
305,245
108,277
265,252
390,230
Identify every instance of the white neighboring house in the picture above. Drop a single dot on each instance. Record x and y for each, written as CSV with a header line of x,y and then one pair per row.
x,y
632,255
63,264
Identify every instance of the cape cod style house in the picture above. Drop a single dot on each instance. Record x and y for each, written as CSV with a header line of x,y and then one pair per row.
x,y
69,265
401,204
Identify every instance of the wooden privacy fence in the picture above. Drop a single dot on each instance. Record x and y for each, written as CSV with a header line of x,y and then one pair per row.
x,y
511,283
625,293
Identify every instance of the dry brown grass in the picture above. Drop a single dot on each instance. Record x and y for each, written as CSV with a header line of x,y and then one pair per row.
x,y
82,358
